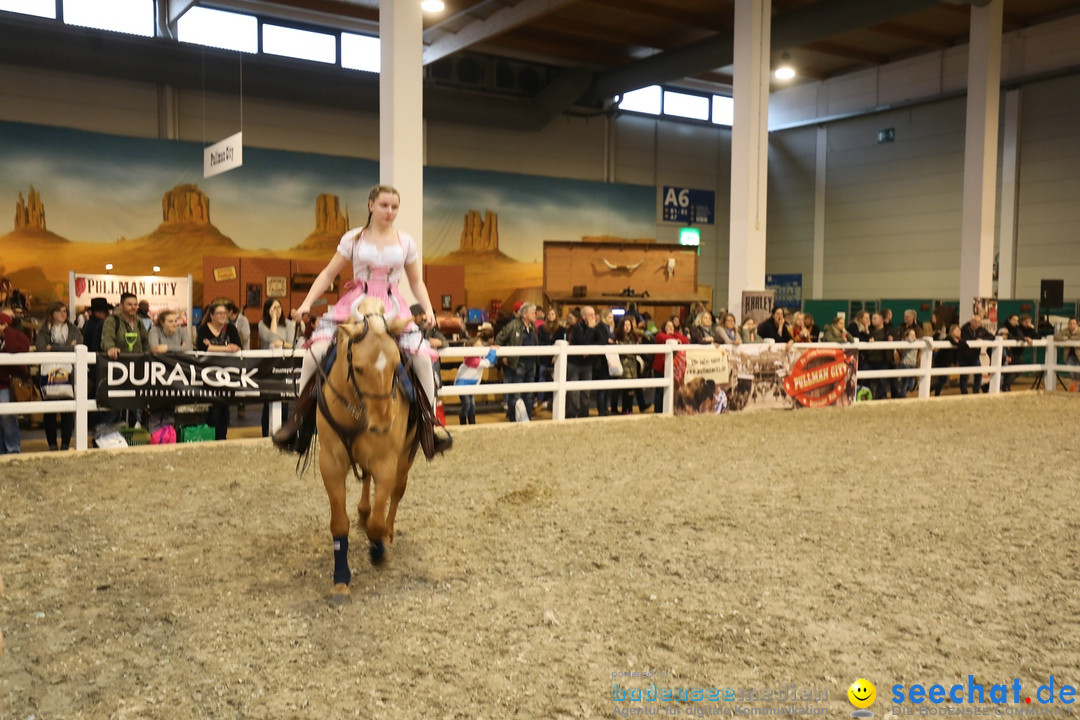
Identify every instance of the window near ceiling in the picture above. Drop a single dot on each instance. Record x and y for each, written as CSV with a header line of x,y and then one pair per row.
x,y
303,44
219,29
645,100
41,8
135,17
695,107
360,52
723,110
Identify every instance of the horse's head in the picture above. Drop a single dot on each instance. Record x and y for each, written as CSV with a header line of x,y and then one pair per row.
x,y
370,355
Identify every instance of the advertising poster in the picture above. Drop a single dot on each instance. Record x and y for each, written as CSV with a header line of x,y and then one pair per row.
x,y
763,376
757,304
162,381
163,293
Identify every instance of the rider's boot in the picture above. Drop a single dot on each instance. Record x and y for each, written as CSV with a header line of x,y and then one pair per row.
x,y
288,436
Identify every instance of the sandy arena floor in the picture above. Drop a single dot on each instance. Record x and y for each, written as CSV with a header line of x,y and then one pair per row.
x,y
910,541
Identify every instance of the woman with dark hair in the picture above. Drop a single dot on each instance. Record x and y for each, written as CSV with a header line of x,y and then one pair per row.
x,y
274,333
627,334
218,335
775,327
547,334
57,334
668,332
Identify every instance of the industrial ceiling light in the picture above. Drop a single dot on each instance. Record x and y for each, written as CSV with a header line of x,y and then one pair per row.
x,y
785,71
433,6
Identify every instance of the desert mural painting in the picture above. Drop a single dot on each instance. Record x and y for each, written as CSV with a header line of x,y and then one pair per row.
x,y
82,200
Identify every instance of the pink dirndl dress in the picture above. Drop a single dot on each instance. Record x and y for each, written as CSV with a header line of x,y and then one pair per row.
x,y
377,273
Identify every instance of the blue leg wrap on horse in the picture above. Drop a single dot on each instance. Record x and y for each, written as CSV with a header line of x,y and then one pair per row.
x,y
341,560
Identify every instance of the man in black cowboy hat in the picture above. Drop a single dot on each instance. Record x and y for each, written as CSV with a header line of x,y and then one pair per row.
x,y
99,310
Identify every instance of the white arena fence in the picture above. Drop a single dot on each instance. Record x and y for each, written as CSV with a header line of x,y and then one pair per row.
x,y
1050,369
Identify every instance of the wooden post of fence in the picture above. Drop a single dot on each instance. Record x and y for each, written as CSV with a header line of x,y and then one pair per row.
x,y
1050,378
997,354
81,382
926,364
558,404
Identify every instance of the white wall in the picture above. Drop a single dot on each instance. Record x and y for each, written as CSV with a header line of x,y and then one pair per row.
x,y
1048,219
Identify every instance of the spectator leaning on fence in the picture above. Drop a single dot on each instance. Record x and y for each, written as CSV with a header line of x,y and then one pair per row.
x,y
835,332
519,332
57,334
167,336
1072,355
579,367
972,330
123,332
946,357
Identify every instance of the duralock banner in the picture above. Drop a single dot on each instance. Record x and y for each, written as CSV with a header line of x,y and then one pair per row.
x,y
169,379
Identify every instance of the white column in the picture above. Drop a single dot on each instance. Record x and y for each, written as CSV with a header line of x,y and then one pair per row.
x,y
401,110
980,156
1010,195
749,149
817,290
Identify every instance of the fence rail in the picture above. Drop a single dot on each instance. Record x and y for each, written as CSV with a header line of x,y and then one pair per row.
x,y
81,405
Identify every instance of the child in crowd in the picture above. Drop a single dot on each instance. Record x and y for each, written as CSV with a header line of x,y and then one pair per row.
x,y
471,372
909,360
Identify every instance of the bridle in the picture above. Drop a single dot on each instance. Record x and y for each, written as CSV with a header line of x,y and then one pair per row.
x,y
357,404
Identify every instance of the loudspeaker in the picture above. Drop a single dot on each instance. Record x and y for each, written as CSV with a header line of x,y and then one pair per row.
x,y
1052,294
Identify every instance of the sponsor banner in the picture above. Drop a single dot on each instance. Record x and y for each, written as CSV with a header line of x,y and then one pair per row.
x,y
823,376
764,376
169,379
163,293
757,304
711,364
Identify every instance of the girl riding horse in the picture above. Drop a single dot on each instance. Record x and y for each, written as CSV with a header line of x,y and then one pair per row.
x,y
379,256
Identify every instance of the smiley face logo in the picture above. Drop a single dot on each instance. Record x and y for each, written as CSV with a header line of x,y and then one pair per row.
x,y
862,693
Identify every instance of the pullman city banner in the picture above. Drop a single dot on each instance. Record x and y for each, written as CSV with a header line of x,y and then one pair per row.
x,y
169,379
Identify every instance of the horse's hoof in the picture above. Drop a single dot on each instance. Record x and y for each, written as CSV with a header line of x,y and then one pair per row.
x,y
339,594
377,550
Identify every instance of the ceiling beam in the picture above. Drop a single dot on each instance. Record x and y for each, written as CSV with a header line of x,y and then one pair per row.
x,y
845,51
498,23
896,30
789,29
716,22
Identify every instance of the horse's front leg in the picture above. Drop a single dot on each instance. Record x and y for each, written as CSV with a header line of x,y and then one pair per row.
x,y
339,530
363,508
382,474
395,498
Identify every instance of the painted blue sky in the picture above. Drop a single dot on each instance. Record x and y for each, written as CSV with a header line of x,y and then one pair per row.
x,y
98,188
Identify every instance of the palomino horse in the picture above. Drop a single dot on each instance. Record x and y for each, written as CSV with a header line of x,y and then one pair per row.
x,y
364,421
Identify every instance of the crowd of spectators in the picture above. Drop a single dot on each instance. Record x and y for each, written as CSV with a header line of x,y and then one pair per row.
x,y
698,325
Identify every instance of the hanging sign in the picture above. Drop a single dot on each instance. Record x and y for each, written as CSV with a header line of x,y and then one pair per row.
x,y
224,155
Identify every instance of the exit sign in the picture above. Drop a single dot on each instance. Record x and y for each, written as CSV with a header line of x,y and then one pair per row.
x,y
886,136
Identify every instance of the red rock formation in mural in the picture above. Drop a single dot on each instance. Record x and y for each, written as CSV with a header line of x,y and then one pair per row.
x,y
330,225
185,204
480,235
30,214
328,217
